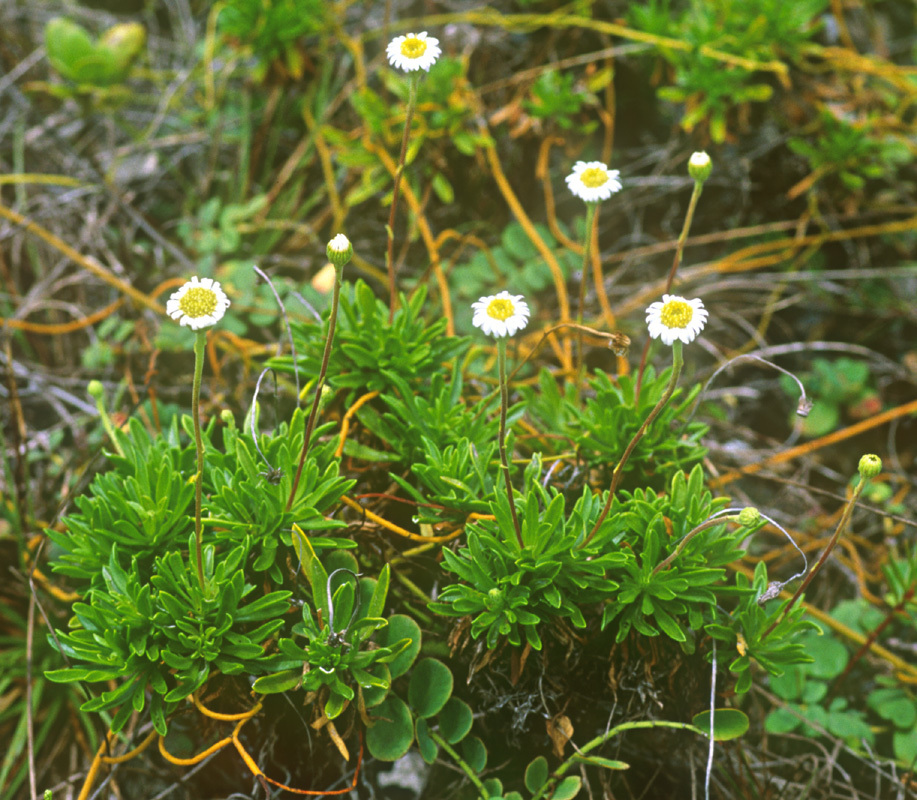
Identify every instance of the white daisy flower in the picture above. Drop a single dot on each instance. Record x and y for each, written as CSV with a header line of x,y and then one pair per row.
x,y
200,303
676,318
501,314
593,181
413,51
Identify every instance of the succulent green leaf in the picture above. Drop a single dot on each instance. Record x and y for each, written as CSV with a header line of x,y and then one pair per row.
x,y
391,733
278,682
475,753
728,723
401,627
428,748
430,687
568,788
455,720
536,774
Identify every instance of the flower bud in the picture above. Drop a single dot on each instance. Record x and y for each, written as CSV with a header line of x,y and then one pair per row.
x,y
340,251
700,166
494,599
870,466
749,516
96,389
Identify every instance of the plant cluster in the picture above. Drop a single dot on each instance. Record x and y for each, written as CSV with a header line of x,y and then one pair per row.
x,y
428,506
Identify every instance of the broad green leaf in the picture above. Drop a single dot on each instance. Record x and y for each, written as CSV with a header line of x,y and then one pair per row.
x,y
391,733
401,627
430,687
475,753
568,788
455,720
428,748
536,774
728,723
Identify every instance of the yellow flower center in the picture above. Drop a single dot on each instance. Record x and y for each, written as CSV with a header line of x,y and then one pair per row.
x,y
676,314
198,302
594,177
500,308
412,47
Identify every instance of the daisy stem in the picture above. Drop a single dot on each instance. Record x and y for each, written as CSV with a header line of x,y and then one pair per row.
x,y
390,228
504,463
587,243
679,249
310,425
200,343
618,473
841,527
710,523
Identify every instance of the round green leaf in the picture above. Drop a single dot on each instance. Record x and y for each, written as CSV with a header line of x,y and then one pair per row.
x,y
430,687
905,744
66,43
428,748
475,753
830,656
781,720
401,627
455,720
895,706
373,695
568,788
391,735
536,774
728,723
493,788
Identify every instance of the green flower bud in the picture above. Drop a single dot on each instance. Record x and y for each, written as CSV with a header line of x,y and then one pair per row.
x,y
749,516
870,466
340,251
96,389
700,166
227,418
494,599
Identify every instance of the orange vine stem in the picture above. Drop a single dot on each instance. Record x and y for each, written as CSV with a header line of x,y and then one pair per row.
x,y
496,169
78,258
815,444
391,526
345,423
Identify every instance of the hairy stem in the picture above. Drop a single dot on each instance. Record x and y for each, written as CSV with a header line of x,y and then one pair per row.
x,y
841,527
618,472
310,425
587,242
690,535
504,463
200,342
679,249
